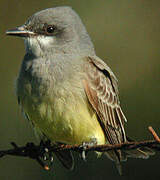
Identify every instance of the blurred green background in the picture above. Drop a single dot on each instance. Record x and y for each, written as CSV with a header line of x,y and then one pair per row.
x,y
126,35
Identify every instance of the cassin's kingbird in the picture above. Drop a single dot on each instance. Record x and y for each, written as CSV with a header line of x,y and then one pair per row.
x,y
67,92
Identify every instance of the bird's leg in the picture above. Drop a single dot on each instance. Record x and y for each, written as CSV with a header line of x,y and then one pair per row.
x,y
84,146
46,154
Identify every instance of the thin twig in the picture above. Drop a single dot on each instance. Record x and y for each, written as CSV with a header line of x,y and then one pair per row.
x,y
38,152
154,134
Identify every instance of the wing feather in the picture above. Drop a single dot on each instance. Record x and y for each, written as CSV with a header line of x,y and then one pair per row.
x,y
102,91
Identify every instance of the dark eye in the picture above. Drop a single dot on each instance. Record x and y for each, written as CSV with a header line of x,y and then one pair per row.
x,y
50,29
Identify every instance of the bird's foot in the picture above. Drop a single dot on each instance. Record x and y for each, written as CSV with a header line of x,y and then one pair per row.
x,y
46,155
84,146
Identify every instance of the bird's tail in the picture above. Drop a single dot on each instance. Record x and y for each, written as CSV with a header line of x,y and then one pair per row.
x,y
142,152
66,158
121,155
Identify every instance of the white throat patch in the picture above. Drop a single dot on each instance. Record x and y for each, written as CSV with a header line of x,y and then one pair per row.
x,y
38,44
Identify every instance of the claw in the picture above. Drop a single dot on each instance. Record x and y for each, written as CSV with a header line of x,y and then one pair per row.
x,y
84,146
46,155
44,158
51,159
83,154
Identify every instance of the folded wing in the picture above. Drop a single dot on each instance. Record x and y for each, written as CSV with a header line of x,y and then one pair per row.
x,y
102,91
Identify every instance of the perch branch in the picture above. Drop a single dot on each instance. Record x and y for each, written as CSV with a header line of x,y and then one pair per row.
x,y
38,152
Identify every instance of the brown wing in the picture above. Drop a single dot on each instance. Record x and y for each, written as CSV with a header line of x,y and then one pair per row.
x,y
102,91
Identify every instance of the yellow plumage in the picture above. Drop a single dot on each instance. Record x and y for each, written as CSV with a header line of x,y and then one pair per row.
x,y
66,119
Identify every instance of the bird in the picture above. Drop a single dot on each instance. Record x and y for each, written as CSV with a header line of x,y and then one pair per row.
x,y
65,90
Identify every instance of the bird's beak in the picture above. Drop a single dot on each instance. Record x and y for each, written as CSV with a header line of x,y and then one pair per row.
x,y
19,31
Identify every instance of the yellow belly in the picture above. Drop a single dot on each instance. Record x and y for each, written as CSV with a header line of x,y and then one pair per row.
x,y
68,120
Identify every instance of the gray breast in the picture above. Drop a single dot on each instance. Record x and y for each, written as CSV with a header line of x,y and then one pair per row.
x,y
40,77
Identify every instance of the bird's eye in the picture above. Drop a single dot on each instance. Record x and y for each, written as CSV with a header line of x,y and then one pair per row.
x,y
50,29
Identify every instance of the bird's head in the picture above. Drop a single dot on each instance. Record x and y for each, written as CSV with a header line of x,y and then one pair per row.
x,y
55,29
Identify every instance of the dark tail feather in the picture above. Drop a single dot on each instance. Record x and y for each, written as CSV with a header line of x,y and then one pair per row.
x,y
120,155
117,157
66,158
142,152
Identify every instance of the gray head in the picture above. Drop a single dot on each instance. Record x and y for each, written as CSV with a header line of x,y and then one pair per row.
x,y
56,30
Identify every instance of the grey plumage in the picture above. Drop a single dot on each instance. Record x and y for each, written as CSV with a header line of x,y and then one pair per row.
x,y
68,93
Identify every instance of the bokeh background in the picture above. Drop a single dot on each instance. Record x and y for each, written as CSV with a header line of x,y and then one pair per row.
x,y
126,35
